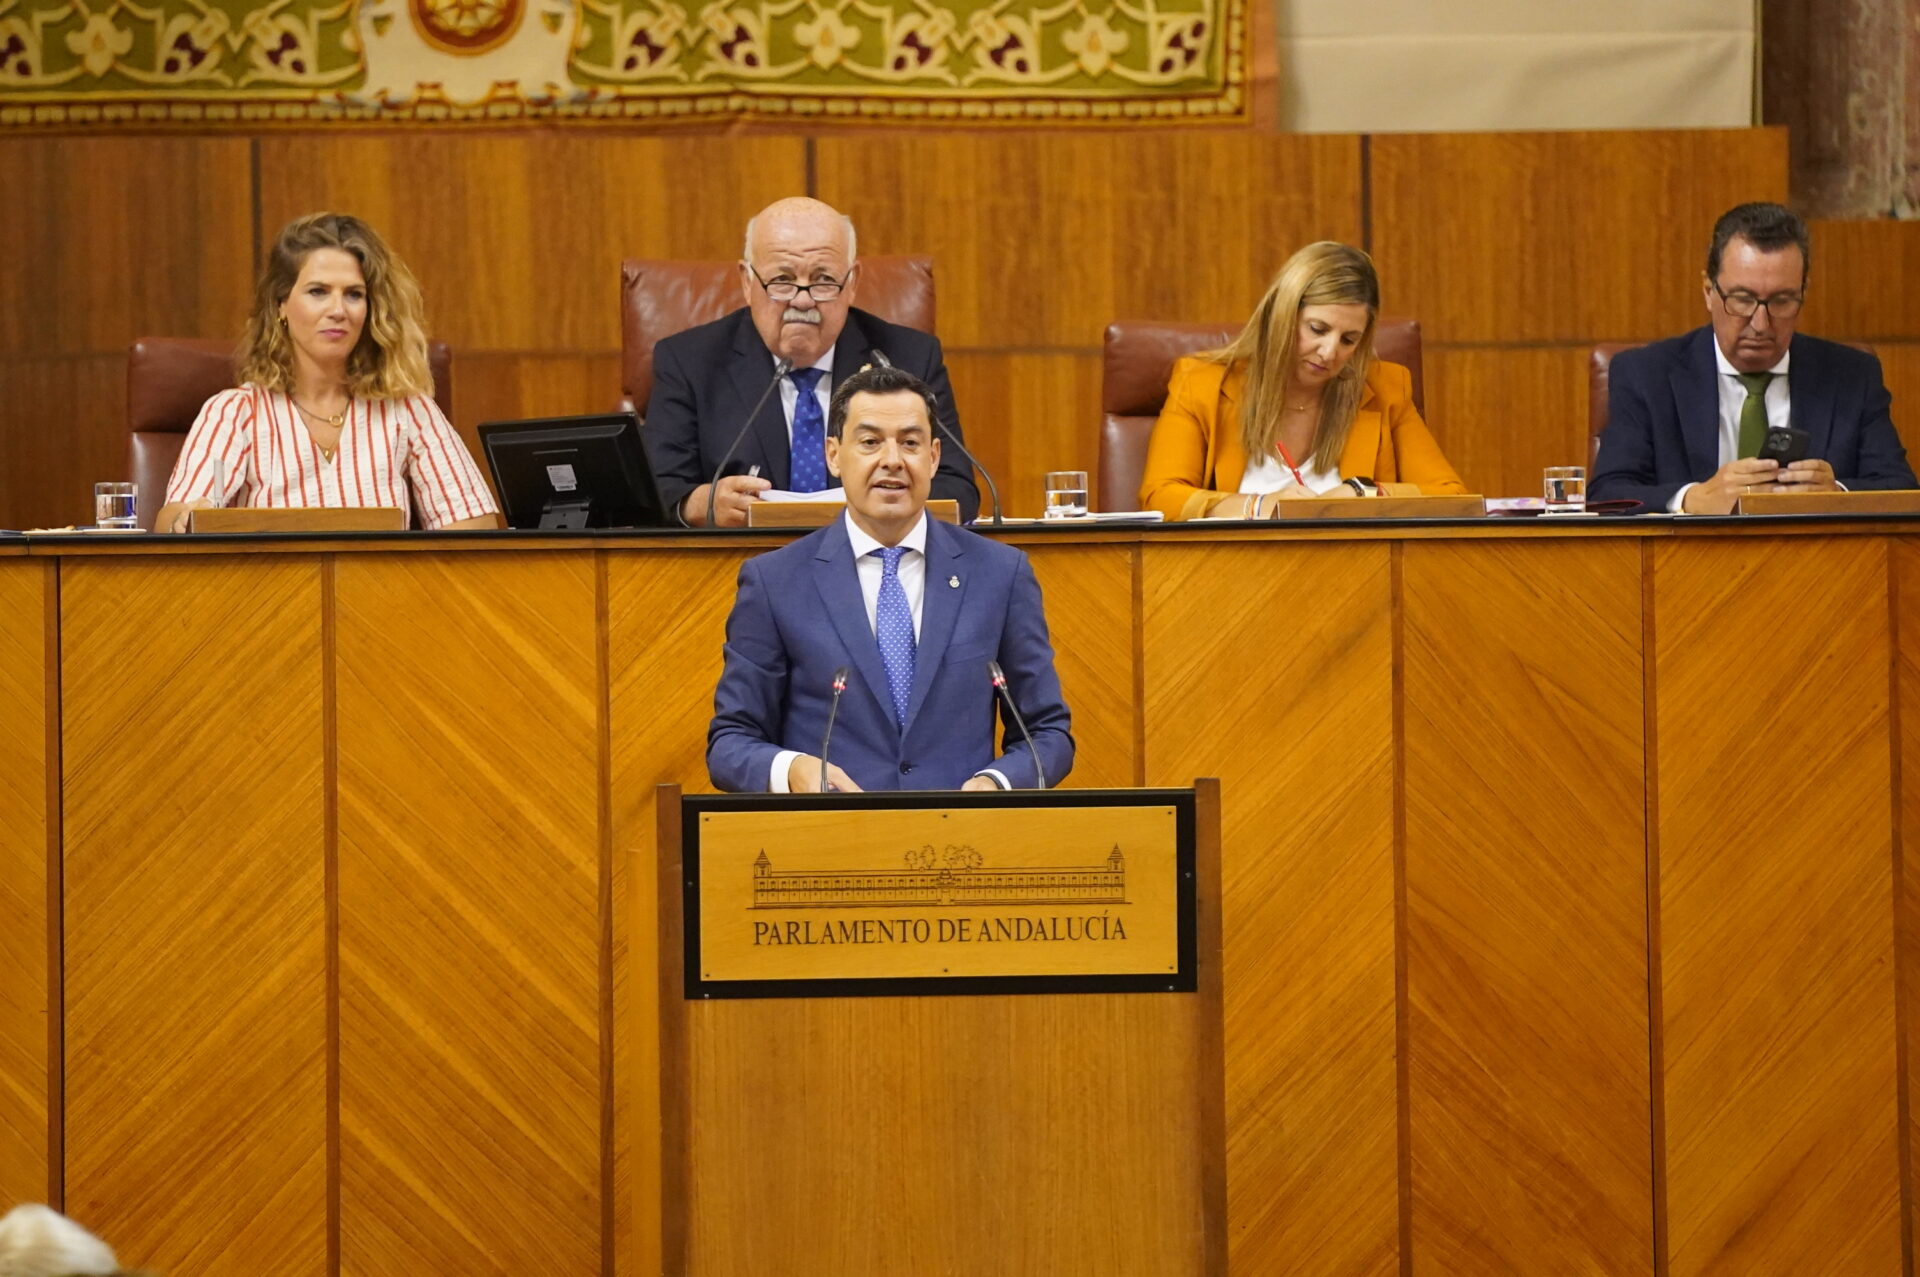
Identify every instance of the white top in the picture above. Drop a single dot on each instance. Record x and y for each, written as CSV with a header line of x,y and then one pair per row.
x,y
388,449
1733,397
1266,474
872,571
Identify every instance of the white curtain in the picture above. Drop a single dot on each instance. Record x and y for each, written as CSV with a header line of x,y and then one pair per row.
x,y
1416,66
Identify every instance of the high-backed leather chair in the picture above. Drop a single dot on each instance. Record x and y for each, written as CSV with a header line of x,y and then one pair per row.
x,y
1599,373
169,378
1137,363
659,299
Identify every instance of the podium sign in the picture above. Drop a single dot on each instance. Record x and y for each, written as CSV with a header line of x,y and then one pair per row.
x,y
838,895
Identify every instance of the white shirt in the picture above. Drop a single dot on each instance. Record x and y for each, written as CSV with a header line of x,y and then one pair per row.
x,y
872,570
822,392
1733,397
1266,474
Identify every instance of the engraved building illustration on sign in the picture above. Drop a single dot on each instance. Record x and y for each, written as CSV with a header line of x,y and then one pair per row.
x,y
955,879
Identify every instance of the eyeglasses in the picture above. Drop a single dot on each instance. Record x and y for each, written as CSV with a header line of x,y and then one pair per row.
x,y
1742,304
785,290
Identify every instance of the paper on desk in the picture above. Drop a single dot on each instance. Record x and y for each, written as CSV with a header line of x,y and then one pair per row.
x,y
825,494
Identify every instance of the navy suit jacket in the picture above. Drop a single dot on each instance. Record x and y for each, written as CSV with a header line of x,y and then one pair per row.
x,y
706,379
1663,418
799,615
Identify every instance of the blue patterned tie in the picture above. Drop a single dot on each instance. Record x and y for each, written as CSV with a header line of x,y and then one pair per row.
x,y
809,434
893,630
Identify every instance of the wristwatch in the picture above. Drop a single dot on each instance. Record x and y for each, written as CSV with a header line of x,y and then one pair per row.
x,y
1363,486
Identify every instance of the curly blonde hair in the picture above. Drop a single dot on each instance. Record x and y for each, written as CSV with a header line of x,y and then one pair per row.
x,y
390,360
1319,274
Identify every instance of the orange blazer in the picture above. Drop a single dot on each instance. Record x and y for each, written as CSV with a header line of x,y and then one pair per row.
x,y
1195,456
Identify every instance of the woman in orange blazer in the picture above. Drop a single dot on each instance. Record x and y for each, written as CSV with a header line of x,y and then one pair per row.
x,y
1295,406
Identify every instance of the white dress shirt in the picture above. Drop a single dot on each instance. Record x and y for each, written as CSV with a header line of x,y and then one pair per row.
x,y
872,571
1266,474
1733,397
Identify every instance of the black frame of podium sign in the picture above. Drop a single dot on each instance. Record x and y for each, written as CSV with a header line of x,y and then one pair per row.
x,y
1182,980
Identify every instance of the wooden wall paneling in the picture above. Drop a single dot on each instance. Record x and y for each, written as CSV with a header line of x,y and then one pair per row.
x,y
1559,237
1025,414
1900,364
118,237
1090,616
1501,416
520,249
666,623
1848,297
492,387
1042,239
193,753
1526,908
469,931
1297,722
1904,564
1776,906
63,428
27,993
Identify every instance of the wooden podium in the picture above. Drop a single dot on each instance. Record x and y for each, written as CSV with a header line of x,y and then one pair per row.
x,y
941,1033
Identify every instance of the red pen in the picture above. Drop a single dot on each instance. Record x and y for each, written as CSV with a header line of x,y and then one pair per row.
x,y
1281,448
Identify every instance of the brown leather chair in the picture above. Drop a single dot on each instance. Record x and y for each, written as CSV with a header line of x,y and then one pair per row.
x,y
1599,371
169,378
659,299
1139,359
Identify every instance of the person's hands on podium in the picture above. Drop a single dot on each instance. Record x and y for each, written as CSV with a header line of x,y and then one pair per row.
x,y
735,493
1811,475
803,777
173,518
977,783
1731,482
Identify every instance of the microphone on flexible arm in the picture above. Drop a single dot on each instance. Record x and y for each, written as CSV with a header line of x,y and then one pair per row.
x,y
999,677
880,357
839,686
781,367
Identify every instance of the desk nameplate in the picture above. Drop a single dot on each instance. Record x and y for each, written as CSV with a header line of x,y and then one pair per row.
x,y
835,895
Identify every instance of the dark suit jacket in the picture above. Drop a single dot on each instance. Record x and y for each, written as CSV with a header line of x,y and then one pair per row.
x,y
1663,418
799,615
706,378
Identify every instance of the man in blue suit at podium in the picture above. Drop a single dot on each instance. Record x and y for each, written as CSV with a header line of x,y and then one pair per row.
x,y
915,612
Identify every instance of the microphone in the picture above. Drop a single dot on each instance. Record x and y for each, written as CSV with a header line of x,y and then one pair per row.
x,y
839,686
880,357
999,677
781,367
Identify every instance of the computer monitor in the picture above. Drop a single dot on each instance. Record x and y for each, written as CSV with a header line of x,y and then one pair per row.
x,y
573,472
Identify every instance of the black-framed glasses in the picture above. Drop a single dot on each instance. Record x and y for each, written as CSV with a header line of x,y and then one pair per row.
x,y
785,290
1742,304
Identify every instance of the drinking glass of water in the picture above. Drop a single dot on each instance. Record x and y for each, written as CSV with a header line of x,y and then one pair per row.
x,y
113,505
1066,493
1566,489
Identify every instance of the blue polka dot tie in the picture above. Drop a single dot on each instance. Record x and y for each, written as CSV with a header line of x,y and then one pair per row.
x,y
809,434
893,630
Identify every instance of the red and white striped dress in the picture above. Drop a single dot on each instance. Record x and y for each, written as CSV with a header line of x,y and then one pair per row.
x,y
387,446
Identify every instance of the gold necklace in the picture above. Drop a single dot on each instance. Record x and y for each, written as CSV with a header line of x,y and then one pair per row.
x,y
338,420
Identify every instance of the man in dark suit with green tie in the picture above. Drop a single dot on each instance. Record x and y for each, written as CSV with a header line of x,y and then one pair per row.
x,y
1686,416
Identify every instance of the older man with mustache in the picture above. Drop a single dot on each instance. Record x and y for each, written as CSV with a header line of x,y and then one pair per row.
x,y
798,278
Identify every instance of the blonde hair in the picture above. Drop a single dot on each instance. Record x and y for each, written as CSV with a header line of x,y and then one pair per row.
x,y
390,359
1320,274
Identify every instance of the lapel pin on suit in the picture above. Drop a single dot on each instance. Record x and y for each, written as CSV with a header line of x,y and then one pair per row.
x,y
953,583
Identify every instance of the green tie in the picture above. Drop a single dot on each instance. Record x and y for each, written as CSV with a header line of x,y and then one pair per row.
x,y
1753,413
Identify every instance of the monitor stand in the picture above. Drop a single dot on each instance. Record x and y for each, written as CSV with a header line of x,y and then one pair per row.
x,y
564,515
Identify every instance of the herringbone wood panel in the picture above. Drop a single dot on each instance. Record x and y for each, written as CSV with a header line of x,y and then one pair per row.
x,y
1905,565
666,622
1526,908
470,1091
1089,596
24,991
1271,667
1776,906
195,946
